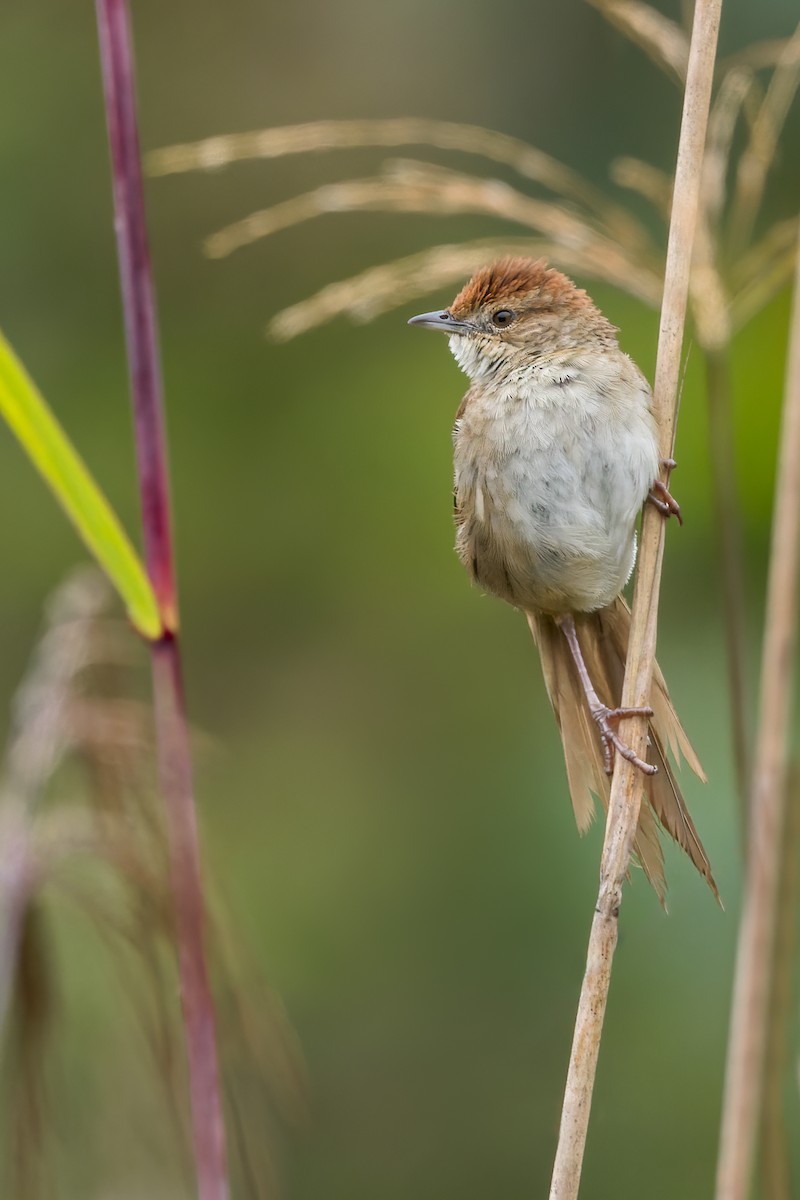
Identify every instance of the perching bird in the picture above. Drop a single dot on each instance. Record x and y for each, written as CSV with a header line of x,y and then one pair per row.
x,y
556,452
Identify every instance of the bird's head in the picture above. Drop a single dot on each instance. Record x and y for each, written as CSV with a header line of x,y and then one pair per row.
x,y
514,312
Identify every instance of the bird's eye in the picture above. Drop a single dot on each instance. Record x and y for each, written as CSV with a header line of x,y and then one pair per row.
x,y
503,317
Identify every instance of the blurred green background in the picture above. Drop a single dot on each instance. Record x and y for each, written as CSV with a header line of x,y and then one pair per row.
x,y
385,808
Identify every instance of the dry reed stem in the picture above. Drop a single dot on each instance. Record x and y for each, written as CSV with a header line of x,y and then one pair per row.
x,y
383,288
754,958
661,39
322,136
627,783
775,1155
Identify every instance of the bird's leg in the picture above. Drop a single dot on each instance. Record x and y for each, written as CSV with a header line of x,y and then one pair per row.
x,y
661,497
602,715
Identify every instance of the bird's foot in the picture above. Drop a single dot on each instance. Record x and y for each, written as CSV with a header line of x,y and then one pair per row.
x,y
660,496
605,718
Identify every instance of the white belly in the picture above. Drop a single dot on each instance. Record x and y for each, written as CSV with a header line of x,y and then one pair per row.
x,y
550,478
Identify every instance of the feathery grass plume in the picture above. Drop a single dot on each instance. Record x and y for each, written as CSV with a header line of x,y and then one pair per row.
x,y
421,188
378,289
759,153
581,210
661,39
653,184
576,211
736,86
320,136
38,740
763,272
103,852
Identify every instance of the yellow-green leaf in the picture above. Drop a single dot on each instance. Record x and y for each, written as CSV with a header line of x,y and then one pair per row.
x,y
64,471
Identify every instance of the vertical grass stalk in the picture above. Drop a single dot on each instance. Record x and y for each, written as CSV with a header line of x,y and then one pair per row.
x,y
753,984
627,784
729,527
776,1139
174,763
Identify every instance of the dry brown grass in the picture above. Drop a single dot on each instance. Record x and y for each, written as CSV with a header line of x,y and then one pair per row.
x,y
91,838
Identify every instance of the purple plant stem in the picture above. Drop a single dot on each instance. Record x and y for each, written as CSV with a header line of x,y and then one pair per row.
x,y
172,740
138,299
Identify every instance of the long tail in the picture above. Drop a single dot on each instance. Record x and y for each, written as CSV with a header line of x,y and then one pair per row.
x,y
603,638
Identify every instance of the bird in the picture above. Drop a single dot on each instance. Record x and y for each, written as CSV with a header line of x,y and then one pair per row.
x,y
555,454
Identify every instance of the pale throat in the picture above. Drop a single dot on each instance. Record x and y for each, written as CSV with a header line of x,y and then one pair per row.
x,y
478,359
500,368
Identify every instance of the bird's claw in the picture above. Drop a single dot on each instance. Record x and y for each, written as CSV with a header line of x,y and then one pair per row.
x,y
660,496
613,743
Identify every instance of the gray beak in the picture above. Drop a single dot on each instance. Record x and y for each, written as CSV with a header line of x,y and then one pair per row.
x,y
441,321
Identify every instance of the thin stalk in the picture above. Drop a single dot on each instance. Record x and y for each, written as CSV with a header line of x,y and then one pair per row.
x,y
627,784
172,741
16,871
728,520
775,1167
138,301
748,1037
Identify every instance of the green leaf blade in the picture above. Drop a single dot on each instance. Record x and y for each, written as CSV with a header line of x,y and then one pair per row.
x,y
62,468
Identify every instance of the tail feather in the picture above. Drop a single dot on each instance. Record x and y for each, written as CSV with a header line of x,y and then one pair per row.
x,y
585,773
616,620
603,638
649,851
